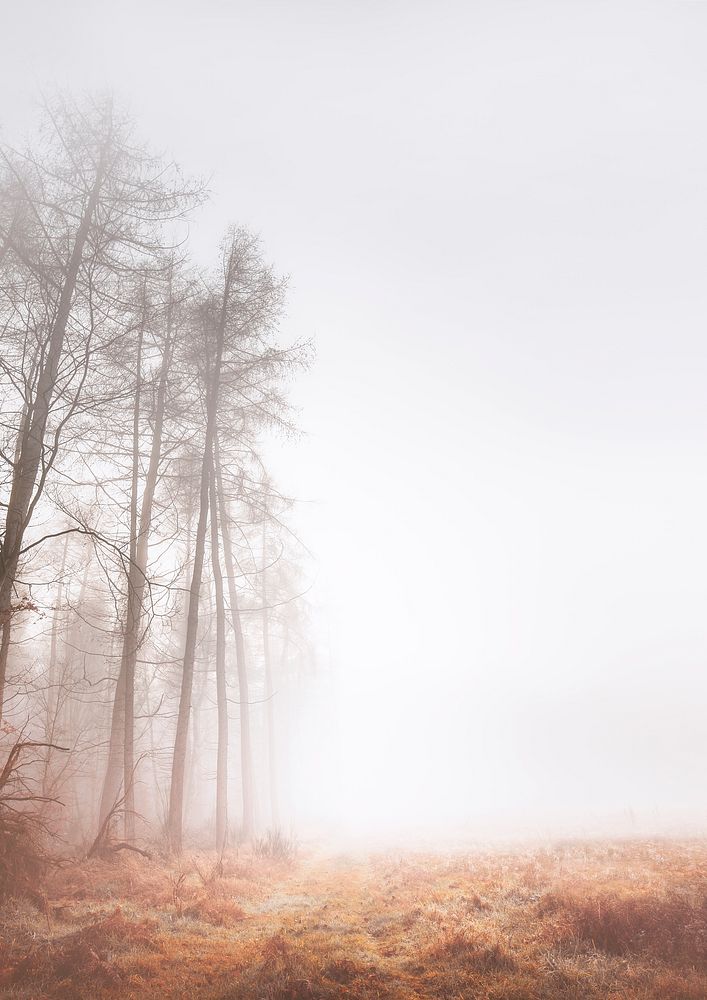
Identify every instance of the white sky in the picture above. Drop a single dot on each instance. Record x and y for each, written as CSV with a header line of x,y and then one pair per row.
x,y
495,219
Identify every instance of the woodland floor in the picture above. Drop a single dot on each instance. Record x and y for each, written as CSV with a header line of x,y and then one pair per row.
x,y
600,919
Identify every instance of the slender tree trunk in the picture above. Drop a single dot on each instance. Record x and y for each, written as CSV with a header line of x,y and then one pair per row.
x,y
151,731
176,791
133,616
247,784
121,764
284,721
176,796
202,664
53,674
269,693
6,626
68,718
54,643
113,780
24,479
221,702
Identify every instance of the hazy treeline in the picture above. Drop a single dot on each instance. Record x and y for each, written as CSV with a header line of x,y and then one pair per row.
x,y
152,632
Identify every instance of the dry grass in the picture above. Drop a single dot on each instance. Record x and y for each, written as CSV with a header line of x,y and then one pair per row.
x,y
277,845
586,920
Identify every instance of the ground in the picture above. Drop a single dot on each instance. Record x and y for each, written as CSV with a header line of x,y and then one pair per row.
x,y
573,920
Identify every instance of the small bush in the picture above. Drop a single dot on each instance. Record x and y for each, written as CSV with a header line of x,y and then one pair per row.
x,y
23,858
276,845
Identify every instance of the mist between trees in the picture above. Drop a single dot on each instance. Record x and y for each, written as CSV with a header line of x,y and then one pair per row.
x,y
153,623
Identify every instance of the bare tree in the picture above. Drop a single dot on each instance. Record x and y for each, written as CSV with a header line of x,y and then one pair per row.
x,y
247,779
236,317
221,698
121,757
84,212
134,393
269,686
214,336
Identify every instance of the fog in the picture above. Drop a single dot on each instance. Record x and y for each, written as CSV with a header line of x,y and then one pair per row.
x,y
492,216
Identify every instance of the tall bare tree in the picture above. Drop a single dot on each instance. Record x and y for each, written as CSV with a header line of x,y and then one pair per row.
x,y
79,215
120,772
247,778
221,696
237,318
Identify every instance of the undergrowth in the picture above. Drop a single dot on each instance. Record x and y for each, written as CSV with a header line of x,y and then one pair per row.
x,y
586,921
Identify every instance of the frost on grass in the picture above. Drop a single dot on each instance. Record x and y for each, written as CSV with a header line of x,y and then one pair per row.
x,y
606,921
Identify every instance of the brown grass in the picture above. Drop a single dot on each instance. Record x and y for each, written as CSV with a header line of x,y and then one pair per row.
x,y
671,927
584,920
464,950
89,950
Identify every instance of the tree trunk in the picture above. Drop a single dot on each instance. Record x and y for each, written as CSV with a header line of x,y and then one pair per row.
x,y
269,694
241,663
176,795
221,702
50,724
133,616
113,780
176,791
24,478
121,765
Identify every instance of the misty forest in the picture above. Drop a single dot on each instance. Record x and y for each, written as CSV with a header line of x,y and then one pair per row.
x,y
335,660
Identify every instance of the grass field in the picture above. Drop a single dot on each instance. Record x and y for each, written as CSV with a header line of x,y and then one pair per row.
x,y
598,919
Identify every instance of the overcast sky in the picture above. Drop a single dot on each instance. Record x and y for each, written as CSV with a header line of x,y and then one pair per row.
x,y
495,219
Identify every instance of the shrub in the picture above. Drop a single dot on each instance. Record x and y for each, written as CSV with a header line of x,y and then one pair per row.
x,y
276,845
23,859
